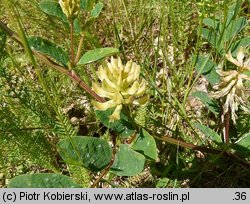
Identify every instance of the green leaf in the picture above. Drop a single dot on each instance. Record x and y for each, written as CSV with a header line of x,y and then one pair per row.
x,y
97,54
210,36
242,146
123,127
212,23
87,4
211,104
49,48
209,133
42,180
244,42
90,152
54,9
97,10
235,27
127,162
207,67
234,11
145,144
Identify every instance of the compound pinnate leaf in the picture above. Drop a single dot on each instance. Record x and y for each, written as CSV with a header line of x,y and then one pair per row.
x,y
97,54
123,127
49,48
127,162
145,144
43,180
90,152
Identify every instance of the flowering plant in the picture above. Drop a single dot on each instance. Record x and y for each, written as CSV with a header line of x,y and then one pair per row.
x,y
231,86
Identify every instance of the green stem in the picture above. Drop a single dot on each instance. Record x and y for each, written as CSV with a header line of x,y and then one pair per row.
x,y
24,41
78,54
72,44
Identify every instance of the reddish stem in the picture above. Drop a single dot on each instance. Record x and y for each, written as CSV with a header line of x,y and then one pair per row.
x,y
227,125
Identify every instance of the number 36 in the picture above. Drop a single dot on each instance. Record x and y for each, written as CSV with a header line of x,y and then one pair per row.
x,y
240,196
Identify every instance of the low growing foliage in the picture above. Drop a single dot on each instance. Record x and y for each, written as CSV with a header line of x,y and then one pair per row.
x,y
161,101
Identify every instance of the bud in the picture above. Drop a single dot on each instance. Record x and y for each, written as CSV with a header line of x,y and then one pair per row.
x,y
70,8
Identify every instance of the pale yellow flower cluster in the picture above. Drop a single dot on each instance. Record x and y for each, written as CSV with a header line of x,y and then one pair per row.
x,y
121,85
243,65
70,8
231,86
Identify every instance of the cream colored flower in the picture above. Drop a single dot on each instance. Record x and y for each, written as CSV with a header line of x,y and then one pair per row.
x,y
70,8
121,85
231,86
240,59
